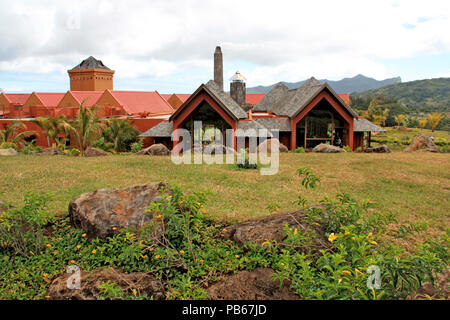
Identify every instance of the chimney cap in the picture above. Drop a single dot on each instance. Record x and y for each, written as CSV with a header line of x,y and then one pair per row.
x,y
218,49
238,77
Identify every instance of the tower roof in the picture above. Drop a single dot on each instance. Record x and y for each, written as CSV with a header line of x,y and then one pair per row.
x,y
238,77
91,63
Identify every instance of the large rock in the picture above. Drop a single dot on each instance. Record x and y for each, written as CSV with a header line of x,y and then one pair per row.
x,y
266,145
49,152
422,141
157,149
257,284
327,148
8,152
380,149
271,228
95,152
100,211
139,282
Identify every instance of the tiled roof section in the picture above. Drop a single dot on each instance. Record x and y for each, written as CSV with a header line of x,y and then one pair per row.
x,y
91,63
226,100
90,96
345,97
254,98
17,98
272,98
284,102
50,99
281,124
162,129
296,99
183,96
135,102
364,125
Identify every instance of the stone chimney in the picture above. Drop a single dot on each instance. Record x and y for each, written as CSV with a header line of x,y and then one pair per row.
x,y
237,88
218,68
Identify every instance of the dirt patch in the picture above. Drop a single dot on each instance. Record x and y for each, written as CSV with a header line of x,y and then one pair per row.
x,y
251,285
139,282
440,291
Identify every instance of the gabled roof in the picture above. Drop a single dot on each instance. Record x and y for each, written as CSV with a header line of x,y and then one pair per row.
x,y
284,102
252,124
364,125
90,96
49,99
254,98
223,99
162,129
17,98
91,63
135,102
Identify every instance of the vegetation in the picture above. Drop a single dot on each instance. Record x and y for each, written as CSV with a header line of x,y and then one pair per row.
x,y
86,127
12,135
418,96
120,133
56,129
192,253
433,120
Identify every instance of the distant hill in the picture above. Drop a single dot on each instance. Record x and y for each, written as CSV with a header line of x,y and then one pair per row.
x,y
346,85
421,95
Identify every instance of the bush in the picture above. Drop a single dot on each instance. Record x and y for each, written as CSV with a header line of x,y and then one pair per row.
x,y
75,152
347,148
8,145
137,146
299,150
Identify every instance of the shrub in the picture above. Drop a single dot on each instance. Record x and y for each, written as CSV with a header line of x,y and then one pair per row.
x,y
137,146
347,148
299,150
75,152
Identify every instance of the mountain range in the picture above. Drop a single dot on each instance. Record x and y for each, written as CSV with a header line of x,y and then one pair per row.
x,y
347,85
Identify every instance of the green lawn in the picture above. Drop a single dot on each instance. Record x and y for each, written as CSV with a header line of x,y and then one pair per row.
x,y
416,186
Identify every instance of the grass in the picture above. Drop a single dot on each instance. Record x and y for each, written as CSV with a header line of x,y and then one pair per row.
x,y
416,186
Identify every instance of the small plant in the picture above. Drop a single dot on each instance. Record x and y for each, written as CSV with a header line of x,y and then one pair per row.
x,y
137,146
310,180
299,150
273,207
347,148
75,152
301,202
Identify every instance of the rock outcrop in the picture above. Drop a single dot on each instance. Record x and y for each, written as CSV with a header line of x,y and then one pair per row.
x,y
137,284
49,152
327,148
95,152
266,145
8,152
257,284
98,212
422,141
157,149
381,149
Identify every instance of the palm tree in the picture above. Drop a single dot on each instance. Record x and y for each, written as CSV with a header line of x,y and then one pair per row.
x,y
399,119
10,133
434,119
86,127
53,128
120,131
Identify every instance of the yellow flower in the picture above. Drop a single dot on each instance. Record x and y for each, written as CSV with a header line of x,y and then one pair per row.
x,y
265,243
224,230
373,242
49,245
370,234
157,256
203,210
353,238
237,256
347,272
282,264
201,261
94,251
114,228
332,237
145,257
356,270
428,297
60,239
72,261
295,231
78,246
182,251
5,243
47,297
151,249
45,275
346,233
83,235
169,197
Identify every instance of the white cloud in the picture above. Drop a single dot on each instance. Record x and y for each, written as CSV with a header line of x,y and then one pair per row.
x,y
282,40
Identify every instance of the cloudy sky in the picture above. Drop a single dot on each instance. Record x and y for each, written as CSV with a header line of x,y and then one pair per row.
x,y
168,45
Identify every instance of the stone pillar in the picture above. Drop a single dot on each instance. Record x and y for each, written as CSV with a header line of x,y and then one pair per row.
x,y
218,68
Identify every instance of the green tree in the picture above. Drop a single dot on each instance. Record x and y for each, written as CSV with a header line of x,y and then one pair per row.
x,y
399,119
121,133
10,135
56,129
423,123
86,127
434,119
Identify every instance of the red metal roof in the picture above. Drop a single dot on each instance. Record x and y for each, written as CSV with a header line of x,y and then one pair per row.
x,y
50,99
91,96
135,102
345,97
254,98
19,98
